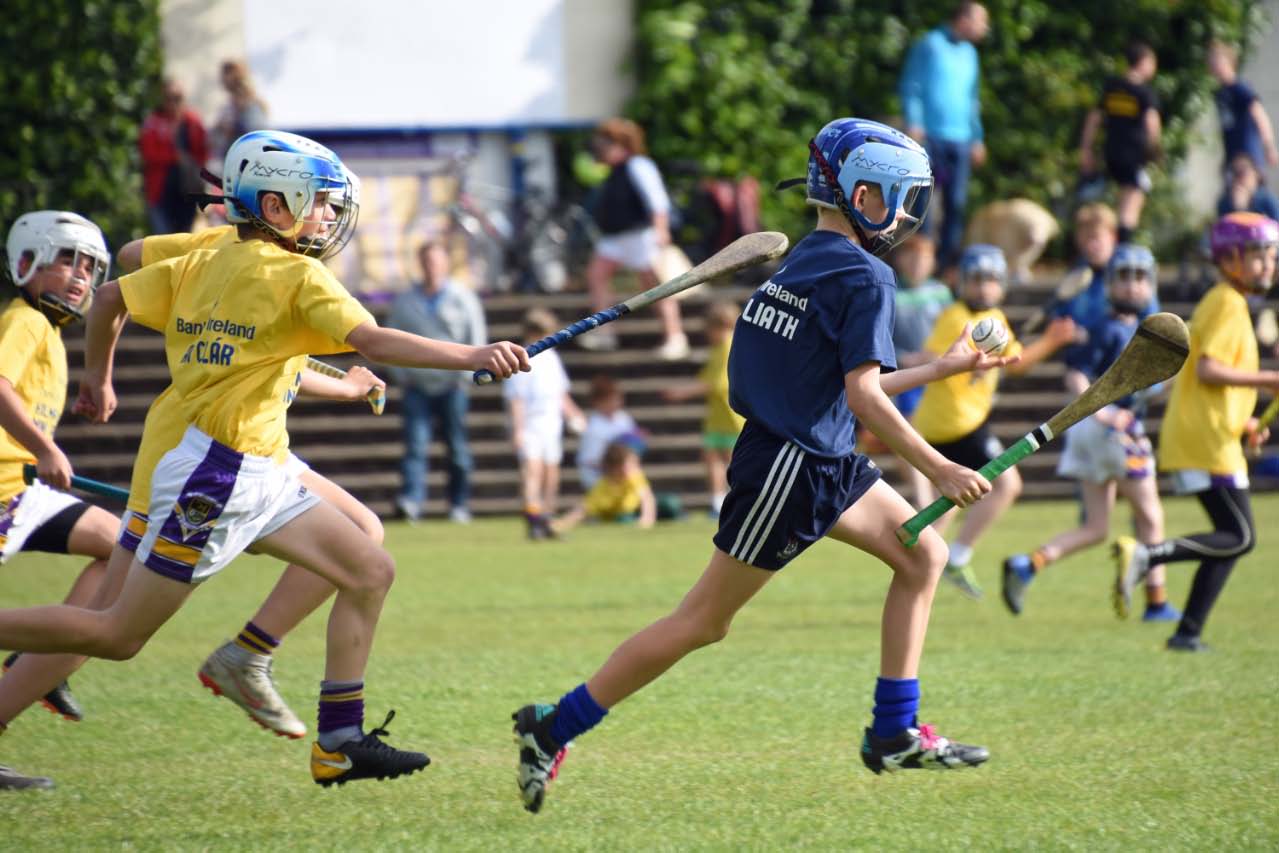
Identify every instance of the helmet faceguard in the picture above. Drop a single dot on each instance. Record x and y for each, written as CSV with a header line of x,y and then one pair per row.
x,y
308,177
851,151
979,262
1131,261
1236,233
39,238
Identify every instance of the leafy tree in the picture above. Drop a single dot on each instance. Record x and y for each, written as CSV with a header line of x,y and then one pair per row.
x,y
77,78
737,87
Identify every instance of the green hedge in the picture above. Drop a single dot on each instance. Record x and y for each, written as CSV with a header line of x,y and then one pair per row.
x,y
739,87
77,77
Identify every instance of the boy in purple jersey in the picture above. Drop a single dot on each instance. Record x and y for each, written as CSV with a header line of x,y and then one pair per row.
x,y
809,357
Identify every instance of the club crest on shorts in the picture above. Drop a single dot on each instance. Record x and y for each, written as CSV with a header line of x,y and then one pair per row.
x,y
791,549
197,515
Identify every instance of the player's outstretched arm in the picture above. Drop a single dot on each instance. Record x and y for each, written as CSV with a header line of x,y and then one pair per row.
x,y
355,386
961,357
52,466
871,406
1060,332
129,258
1213,372
103,324
391,346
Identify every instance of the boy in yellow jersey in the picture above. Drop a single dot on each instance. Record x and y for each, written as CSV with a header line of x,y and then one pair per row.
x,y
1209,413
621,494
953,413
238,323
56,259
722,425
240,669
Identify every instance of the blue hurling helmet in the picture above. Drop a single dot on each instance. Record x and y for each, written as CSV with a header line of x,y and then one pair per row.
x,y
298,169
849,151
982,260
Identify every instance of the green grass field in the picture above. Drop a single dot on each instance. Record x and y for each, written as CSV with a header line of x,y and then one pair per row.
x,y
1100,739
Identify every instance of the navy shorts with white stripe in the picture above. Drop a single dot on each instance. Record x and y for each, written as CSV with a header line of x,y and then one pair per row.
x,y
781,499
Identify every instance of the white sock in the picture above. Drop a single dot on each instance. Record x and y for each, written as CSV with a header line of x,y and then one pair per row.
x,y
960,554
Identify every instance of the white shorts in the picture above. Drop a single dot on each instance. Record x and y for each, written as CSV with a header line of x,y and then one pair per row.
x,y
26,512
209,503
1095,453
1193,480
543,445
133,525
634,250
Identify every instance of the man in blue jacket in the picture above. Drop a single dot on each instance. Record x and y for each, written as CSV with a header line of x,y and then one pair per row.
x,y
942,107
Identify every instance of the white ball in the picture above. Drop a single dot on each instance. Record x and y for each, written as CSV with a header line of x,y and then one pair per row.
x,y
990,336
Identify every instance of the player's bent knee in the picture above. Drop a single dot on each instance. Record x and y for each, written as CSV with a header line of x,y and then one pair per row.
x,y
371,525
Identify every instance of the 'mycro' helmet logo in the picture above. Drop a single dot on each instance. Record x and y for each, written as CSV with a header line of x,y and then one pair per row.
x,y
261,170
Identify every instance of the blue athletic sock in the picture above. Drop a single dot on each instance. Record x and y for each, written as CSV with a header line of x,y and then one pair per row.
x,y
896,703
577,712
1023,567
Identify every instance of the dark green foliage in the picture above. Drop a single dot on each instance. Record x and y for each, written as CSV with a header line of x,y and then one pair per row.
x,y
739,87
76,78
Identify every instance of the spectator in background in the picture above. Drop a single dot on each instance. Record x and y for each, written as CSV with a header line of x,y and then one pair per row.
x,y
1245,126
919,302
539,402
606,421
621,494
442,309
174,146
721,425
632,211
941,102
1128,113
244,110
1244,191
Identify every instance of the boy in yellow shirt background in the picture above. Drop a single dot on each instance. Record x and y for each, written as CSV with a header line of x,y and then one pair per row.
x,y
721,425
1209,413
621,494
953,414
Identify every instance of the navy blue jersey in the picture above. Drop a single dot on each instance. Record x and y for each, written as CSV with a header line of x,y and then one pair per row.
x,y
828,310
1106,340
1091,308
1239,132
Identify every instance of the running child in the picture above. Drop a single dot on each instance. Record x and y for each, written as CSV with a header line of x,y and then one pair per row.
x,y
811,353
539,403
721,426
57,259
241,669
1109,452
238,323
1209,413
954,414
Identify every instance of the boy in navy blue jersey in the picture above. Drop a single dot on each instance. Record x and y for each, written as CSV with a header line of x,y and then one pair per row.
x,y
810,354
1109,452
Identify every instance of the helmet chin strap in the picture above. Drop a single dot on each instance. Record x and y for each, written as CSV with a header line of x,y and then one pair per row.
x,y
841,200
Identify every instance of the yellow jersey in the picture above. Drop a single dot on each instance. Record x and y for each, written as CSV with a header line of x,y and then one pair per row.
x,y
161,247
1203,424
952,408
611,499
34,361
720,417
238,323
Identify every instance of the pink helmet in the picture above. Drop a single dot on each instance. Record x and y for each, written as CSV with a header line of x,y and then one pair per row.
x,y
1237,231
